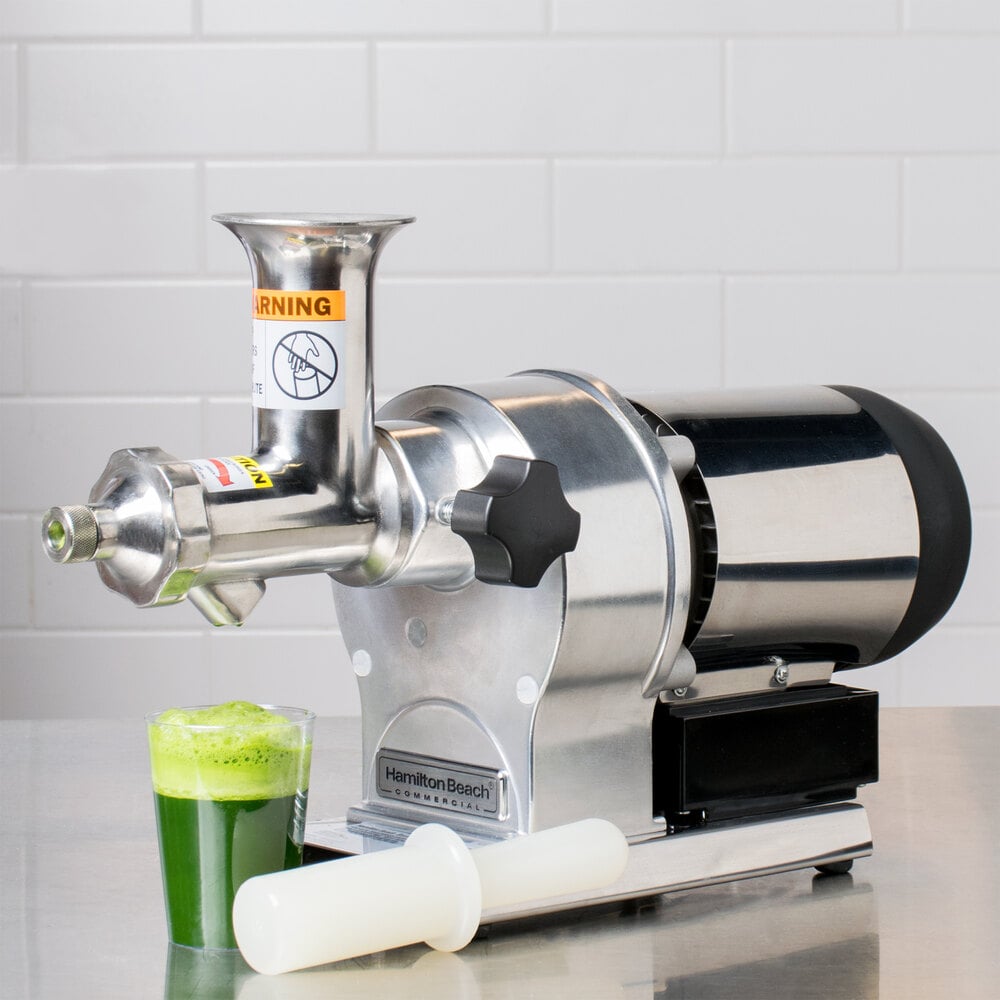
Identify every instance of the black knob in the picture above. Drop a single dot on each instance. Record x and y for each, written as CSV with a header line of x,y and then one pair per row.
x,y
517,521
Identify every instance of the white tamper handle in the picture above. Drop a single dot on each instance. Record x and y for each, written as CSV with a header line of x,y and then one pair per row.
x,y
426,890
586,855
431,889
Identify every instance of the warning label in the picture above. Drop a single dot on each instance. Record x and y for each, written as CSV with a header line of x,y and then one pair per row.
x,y
273,304
299,340
222,475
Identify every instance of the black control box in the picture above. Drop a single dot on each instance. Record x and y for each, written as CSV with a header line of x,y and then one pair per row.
x,y
734,757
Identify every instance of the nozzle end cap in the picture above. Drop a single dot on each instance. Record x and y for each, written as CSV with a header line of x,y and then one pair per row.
x,y
70,534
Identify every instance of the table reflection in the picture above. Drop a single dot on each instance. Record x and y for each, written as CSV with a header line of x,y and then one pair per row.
x,y
782,936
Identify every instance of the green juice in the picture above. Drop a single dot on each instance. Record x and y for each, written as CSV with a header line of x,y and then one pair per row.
x,y
210,848
230,804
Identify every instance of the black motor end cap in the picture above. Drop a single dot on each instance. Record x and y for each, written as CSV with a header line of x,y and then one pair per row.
x,y
943,515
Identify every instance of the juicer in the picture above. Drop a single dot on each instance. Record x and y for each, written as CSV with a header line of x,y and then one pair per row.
x,y
560,600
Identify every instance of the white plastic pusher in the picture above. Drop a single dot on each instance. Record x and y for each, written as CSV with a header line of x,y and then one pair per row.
x,y
431,889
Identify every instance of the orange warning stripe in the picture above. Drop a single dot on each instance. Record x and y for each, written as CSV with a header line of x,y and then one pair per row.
x,y
281,304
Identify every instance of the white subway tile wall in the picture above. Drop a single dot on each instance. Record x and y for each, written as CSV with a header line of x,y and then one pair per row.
x,y
475,217
467,330
871,95
727,17
760,215
11,338
194,100
375,18
95,19
670,194
952,215
836,329
8,102
952,15
557,97
100,219
114,324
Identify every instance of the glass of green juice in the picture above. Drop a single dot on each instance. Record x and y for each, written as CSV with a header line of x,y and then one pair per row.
x,y
230,784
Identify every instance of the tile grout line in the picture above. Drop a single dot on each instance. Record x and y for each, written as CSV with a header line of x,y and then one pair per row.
x,y
901,201
21,104
373,98
725,116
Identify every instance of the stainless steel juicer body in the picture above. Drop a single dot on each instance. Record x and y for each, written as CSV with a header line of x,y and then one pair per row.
x,y
559,601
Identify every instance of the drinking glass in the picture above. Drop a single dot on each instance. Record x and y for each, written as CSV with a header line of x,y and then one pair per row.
x,y
230,784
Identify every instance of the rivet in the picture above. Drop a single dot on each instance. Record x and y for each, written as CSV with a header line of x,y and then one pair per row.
x,y
527,690
362,662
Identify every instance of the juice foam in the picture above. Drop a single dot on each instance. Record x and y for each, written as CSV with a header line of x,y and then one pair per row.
x,y
233,751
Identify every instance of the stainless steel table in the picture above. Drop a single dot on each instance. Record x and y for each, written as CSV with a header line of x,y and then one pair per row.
x,y
82,913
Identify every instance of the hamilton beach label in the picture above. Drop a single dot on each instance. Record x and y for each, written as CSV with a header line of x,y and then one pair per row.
x,y
299,340
443,784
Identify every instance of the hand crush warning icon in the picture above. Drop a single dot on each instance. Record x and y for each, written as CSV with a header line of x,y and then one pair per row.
x,y
304,364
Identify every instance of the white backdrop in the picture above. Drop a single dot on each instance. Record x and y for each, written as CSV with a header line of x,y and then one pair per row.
x,y
669,194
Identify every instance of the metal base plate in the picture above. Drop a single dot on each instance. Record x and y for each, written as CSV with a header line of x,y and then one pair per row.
x,y
724,852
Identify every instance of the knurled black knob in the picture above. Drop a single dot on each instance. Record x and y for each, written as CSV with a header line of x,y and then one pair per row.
x,y
517,521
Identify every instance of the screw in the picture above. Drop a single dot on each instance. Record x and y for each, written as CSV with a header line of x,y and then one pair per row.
x,y
445,508
781,674
416,632
680,692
